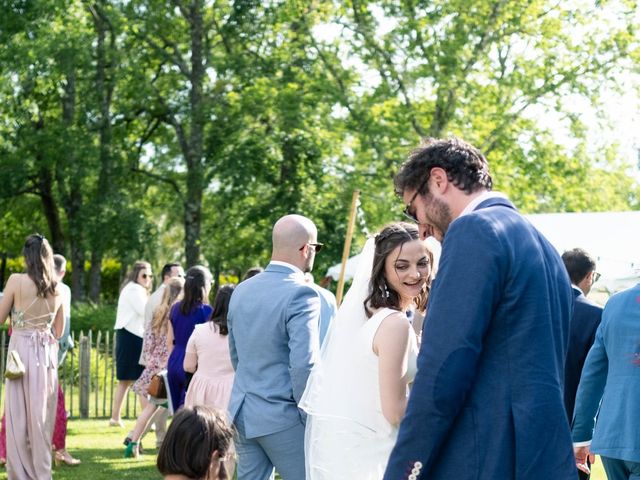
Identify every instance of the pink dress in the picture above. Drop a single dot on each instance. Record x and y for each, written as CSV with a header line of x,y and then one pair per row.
x,y
30,401
156,354
211,384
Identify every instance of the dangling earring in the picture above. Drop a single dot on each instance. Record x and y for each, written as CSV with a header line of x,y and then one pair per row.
x,y
386,290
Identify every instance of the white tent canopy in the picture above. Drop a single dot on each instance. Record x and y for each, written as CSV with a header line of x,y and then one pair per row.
x,y
612,238
352,265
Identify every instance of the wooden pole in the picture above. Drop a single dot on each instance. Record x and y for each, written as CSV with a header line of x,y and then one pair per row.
x,y
347,245
85,375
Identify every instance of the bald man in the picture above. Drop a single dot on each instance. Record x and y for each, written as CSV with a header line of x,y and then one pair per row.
x,y
274,341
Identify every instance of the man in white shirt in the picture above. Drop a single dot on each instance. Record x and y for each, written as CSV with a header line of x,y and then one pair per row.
x,y
169,271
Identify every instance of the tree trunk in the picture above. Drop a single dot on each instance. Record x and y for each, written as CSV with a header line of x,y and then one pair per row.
x,y
50,208
104,93
71,193
77,272
194,153
95,279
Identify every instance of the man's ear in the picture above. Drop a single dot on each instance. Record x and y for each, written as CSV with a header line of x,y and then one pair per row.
x,y
439,180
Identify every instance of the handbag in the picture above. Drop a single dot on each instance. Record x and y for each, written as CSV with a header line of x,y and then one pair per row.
x,y
157,388
15,368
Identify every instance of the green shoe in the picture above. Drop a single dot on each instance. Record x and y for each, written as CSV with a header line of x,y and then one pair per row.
x,y
132,450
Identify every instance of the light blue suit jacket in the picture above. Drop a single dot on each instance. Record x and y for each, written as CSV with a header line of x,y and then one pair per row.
x,y
273,340
486,403
610,381
328,310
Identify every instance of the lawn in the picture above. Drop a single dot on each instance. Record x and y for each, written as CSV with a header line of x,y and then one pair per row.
x,y
101,451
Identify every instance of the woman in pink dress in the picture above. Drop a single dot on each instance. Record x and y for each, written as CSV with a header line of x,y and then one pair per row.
x,y
156,352
37,319
208,356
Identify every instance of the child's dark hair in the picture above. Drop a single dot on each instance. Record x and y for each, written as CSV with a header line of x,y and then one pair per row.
x,y
197,280
194,434
221,308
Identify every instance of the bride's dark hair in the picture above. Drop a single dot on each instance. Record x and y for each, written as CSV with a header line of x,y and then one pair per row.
x,y
381,294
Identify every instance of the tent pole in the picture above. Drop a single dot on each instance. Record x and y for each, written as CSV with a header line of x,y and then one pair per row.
x,y
347,245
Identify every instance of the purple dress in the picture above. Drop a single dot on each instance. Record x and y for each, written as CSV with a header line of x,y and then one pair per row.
x,y
183,326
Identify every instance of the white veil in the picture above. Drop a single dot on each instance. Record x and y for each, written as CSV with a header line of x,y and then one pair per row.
x,y
332,389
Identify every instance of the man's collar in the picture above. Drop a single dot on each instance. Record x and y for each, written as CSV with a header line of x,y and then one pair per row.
x,y
288,265
473,204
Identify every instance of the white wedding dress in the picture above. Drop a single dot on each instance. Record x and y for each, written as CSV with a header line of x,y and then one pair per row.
x,y
347,436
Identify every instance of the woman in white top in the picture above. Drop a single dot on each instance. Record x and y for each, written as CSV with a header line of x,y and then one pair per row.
x,y
357,393
129,329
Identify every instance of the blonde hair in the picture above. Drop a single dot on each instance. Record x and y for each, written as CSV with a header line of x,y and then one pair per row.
x,y
172,291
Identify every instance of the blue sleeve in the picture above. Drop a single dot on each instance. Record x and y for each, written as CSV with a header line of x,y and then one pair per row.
x,y
464,295
303,317
590,389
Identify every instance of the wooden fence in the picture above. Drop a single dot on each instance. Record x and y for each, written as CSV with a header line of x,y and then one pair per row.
x,y
87,376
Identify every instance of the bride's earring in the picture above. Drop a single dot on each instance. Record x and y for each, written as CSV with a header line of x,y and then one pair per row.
x,y
385,290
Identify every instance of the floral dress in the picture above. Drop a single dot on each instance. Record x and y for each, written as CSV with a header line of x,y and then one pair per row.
x,y
156,353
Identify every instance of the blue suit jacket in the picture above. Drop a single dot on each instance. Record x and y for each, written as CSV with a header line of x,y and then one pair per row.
x,y
273,340
585,321
611,382
328,310
487,399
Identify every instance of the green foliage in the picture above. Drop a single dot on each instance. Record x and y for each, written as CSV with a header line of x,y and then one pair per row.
x,y
87,316
142,129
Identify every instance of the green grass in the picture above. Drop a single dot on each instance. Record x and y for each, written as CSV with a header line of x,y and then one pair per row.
x,y
101,451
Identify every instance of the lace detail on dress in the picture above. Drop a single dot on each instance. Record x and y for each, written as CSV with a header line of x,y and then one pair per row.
x,y
18,320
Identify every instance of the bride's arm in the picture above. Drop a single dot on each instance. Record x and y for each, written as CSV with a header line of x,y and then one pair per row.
x,y
391,343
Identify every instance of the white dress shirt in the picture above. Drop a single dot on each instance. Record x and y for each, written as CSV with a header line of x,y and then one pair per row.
x,y
130,313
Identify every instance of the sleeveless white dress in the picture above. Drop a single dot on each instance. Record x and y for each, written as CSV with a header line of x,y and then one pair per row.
x,y
347,436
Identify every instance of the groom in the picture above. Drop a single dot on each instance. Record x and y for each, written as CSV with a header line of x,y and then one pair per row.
x,y
487,401
273,339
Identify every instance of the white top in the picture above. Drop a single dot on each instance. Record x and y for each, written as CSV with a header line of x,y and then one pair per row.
x,y
130,313
65,293
354,368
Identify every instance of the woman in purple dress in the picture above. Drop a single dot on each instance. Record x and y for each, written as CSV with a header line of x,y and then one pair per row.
x,y
192,310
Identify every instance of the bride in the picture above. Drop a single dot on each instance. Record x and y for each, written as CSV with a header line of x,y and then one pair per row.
x,y
357,393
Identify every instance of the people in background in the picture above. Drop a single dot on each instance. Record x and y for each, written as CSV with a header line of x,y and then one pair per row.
x,y
129,329
192,310
605,420
169,271
157,354
581,268
208,358
65,342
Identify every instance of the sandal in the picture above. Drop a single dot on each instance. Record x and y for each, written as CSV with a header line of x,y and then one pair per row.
x,y
62,456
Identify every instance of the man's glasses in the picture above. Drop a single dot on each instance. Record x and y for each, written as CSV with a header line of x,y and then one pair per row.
x,y
407,209
596,276
317,246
